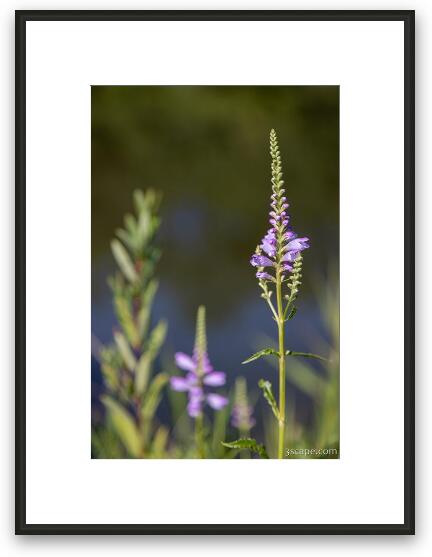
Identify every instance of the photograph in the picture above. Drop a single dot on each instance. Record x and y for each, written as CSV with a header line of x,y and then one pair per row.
x,y
214,262
214,272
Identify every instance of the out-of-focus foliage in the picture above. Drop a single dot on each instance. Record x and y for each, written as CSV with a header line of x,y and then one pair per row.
x,y
133,392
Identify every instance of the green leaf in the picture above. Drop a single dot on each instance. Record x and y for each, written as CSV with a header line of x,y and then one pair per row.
x,y
123,260
305,355
152,398
266,386
151,402
264,352
130,224
124,315
146,303
155,342
124,426
292,313
110,375
249,444
125,350
140,201
142,372
143,229
125,238
160,441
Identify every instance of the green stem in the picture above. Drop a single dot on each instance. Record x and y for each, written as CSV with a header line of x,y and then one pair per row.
x,y
199,435
282,372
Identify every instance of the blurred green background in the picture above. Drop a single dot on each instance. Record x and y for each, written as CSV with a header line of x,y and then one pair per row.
x,y
207,150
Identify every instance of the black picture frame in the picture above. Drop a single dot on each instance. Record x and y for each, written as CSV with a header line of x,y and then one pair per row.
x,y
21,18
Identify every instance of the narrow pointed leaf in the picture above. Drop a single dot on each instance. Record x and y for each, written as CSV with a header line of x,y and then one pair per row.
x,y
124,426
160,441
261,353
146,304
125,350
248,444
292,313
305,355
266,387
125,238
151,402
124,261
152,398
156,340
124,315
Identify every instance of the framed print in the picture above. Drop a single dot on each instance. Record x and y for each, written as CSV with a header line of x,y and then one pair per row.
x,y
215,272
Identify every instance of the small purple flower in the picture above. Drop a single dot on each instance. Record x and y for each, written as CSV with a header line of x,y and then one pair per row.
x,y
200,375
264,276
261,261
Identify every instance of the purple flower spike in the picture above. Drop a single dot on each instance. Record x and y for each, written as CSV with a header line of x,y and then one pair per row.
x,y
200,374
280,244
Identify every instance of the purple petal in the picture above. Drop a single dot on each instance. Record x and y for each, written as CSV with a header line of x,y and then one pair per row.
x,y
268,248
217,402
215,379
196,399
264,276
298,244
287,267
183,361
194,408
196,392
271,234
179,383
289,235
290,256
261,261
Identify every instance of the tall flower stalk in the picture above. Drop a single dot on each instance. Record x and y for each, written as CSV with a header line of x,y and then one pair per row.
x,y
278,262
200,375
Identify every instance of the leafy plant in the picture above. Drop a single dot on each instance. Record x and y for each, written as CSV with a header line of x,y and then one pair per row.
x,y
133,392
278,260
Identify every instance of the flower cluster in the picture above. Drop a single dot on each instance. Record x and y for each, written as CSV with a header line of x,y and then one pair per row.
x,y
200,374
280,247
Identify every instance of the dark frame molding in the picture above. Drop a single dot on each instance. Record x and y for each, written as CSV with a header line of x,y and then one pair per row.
x,y
21,17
